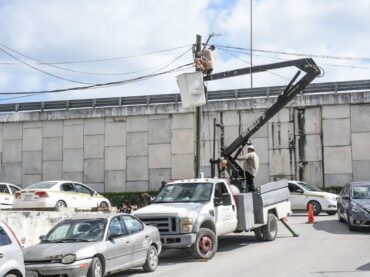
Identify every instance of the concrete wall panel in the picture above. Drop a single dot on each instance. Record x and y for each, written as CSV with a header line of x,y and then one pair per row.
x,y
361,170
52,170
137,144
94,170
115,134
361,146
335,111
337,160
281,162
12,130
159,131
157,175
32,162
94,126
182,166
115,158
137,124
248,118
308,148
12,173
337,132
73,136
337,179
182,141
28,180
360,115
137,169
73,176
32,139
73,160
52,128
231,118
160,156
94,147
137,186
12,151
281,134
52,149
262,175
183,121
115,180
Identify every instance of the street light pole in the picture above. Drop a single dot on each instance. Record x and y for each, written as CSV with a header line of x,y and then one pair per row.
x,y
198,112
251,41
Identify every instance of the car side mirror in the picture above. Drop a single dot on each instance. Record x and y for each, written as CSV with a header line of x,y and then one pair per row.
x,y
42,237
112,236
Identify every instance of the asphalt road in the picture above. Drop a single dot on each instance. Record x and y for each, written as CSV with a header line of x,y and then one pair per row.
x,y
326,248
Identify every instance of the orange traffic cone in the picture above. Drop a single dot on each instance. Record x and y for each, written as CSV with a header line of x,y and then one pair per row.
x,y
311,219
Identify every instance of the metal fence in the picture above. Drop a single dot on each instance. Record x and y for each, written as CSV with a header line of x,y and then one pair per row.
x,y
329,87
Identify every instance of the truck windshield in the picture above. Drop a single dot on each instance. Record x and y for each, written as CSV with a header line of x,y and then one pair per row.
x,y
185,192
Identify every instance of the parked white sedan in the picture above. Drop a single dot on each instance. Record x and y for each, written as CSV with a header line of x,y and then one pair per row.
x,y
56,194
302,194
7,193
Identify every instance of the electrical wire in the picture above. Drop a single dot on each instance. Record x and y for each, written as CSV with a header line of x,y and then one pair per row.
x,y
110,59
43,71
78,71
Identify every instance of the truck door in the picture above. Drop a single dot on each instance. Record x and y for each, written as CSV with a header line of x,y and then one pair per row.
x,y
225,210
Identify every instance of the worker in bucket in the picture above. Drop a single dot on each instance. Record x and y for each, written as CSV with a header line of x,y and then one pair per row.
x,y
205,60
250,167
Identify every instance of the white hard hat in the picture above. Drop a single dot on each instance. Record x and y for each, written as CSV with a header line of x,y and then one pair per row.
x,y
250,147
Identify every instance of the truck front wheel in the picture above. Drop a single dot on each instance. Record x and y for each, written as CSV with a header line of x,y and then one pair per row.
x,y
205,245
271,228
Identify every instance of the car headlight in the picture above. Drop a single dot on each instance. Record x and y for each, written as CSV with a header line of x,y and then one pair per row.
x,y
358,210
68,259
186,224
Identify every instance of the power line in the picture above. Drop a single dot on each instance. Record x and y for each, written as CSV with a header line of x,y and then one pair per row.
x,y
43,71
109,59
78,71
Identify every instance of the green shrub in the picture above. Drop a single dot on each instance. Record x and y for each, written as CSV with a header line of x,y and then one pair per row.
x,y
134,198
333,189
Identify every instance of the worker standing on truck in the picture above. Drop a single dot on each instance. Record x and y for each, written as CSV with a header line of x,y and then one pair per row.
x,y
250,167
205,60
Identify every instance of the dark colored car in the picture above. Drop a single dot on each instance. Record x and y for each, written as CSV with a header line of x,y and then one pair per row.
x,y
354,205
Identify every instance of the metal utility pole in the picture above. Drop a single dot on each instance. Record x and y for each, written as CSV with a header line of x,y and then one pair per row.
x,y
251,44
198,118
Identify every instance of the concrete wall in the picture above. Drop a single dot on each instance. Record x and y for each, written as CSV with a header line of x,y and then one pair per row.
x,y
317,138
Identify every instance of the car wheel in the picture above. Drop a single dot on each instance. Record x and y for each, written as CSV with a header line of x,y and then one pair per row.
x,y
95,269
103,205
205,245
350,226
258,234
316,207
60,204
271,228
151,259
340,218
331,212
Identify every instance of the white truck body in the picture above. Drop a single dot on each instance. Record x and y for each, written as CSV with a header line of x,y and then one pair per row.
x,y
179,220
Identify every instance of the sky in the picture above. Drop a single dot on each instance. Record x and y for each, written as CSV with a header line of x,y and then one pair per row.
x,y
50,45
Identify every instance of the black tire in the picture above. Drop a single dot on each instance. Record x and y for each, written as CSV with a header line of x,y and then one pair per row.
x,y
60,204
96,268
316,207
151,259
340,218
206,244
271,228
258,234
103,205
350,226
331,212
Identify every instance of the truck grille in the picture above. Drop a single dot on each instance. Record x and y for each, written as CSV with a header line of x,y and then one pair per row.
x,y
165,225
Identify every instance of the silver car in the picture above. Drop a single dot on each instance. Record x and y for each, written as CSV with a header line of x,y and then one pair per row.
x,y
94,246
11,257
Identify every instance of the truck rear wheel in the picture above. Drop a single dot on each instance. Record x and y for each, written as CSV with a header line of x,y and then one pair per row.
x,y
205,245
271,228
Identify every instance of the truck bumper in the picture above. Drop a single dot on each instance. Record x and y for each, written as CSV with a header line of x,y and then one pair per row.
x,y
178,241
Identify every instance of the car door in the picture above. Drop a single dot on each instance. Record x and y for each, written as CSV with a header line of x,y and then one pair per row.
x,y
119,248
68,194
225,211
138,237
297,197
344,200
6,199
85,196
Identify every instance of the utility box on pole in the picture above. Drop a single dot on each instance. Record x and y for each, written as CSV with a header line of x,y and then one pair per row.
x,y
191,87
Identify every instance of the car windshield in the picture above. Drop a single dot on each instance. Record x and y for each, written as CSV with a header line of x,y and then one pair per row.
x,y
42,185
185,192
84,230
361,192
309,187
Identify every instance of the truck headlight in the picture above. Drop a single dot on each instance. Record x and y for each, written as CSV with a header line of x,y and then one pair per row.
x,y
186,224
68,259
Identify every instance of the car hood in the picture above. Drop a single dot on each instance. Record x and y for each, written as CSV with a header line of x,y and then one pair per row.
x,y
364,203
45,251
168,209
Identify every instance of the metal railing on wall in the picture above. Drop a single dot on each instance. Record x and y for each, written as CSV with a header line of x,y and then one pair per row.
x,y
329,87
